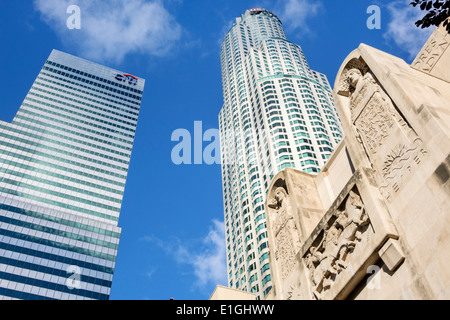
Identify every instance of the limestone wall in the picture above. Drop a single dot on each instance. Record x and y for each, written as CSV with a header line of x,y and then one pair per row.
x,y
374,223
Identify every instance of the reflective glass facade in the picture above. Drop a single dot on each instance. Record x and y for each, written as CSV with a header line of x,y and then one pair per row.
x,y
63,166
277,113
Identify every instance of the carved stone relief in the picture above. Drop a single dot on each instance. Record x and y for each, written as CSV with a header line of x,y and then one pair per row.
x,y
293,288
391,145
347,81
287,242
436,45
329,254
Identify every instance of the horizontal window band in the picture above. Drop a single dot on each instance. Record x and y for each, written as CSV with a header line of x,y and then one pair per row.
x,y
58,204
53,271
94,119
48,96
96,84
59,185
68,135
58,194
86,96
22,295
58,245
93,133
115,84
59,176
62,168
53,286
66,153
60,233
57,258
66,117
74,85
54,219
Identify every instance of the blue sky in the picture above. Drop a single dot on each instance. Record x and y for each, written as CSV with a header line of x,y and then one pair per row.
x,y
173,241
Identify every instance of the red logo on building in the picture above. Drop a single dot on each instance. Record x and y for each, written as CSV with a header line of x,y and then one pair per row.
x,y
127,78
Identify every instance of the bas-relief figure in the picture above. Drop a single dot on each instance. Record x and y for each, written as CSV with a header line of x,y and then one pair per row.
x,y
287,239
339,238
375,119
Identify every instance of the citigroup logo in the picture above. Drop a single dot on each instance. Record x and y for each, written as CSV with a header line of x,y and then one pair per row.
x,y
125,77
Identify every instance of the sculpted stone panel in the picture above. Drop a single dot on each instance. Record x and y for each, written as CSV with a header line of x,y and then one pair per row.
x,y
430,55
293,210
347,228
392,146
287,242
293,287
432,52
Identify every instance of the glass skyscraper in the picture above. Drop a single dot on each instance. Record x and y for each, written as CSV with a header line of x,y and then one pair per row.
x,y
63,166
277,113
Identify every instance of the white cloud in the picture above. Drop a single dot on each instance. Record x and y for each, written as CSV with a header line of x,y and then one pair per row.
x,y
210,264
402,31
294,13
206,257
110,30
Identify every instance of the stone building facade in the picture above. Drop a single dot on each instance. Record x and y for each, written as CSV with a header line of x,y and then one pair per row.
x,y
374,224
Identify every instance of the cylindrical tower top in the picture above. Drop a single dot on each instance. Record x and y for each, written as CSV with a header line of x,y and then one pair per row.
x,y
257,11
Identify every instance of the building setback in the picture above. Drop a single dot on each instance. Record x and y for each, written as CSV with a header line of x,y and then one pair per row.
x,y
63,166
277,113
